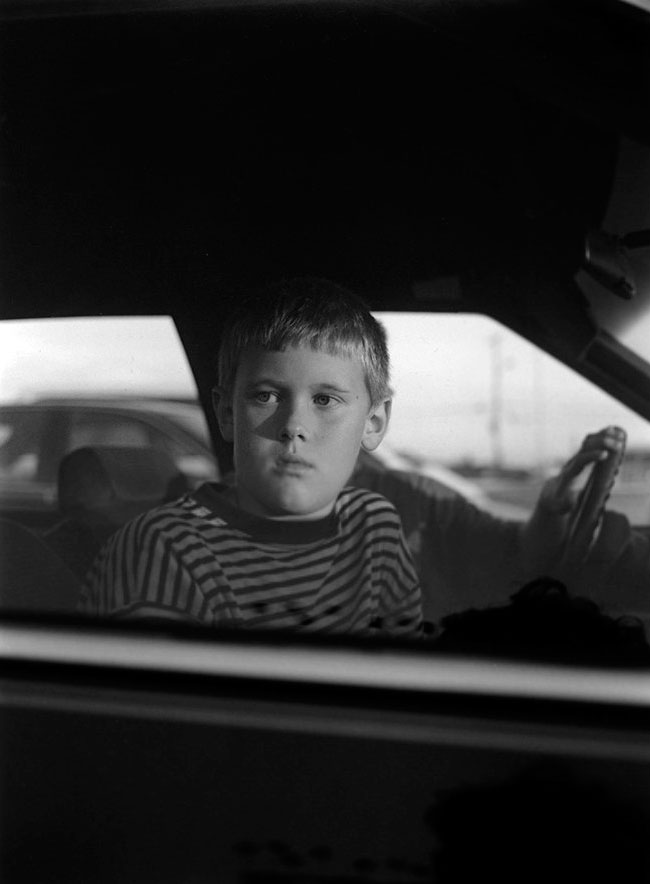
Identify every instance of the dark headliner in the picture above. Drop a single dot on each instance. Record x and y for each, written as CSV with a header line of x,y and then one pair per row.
x,y
151,155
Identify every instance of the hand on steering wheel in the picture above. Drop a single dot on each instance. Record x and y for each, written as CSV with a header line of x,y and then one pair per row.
x,y
603,451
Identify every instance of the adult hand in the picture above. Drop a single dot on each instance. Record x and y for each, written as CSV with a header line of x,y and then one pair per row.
x,y
545,534
558,495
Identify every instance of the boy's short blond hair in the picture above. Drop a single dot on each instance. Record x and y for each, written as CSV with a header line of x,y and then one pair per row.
x,y
313,312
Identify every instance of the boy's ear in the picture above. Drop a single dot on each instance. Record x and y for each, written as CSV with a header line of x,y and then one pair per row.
x,y
376,425
222,404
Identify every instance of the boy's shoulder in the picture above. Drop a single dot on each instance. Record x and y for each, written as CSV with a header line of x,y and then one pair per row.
x,y
353,501
191,507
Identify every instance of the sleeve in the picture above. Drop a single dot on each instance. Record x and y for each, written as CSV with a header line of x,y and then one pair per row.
x,y
138,575
470,558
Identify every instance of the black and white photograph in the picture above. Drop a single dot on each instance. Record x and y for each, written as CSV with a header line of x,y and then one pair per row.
x,y
324,441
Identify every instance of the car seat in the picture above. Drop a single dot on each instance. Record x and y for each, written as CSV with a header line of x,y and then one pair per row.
x,y
32,576
100,488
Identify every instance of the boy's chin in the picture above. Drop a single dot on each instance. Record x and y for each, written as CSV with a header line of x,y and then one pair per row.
x,y
295,507
302,513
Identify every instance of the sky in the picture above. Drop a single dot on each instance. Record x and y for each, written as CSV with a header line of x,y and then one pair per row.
x,y
468,386
118,356
465,387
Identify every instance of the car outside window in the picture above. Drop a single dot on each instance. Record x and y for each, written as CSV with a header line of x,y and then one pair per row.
x,y
67,384
19,444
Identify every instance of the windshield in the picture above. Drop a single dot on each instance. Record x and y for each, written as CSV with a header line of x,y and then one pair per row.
x,y
472,394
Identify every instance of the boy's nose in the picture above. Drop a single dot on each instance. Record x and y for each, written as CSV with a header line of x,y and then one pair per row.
x,y
292,431
293,424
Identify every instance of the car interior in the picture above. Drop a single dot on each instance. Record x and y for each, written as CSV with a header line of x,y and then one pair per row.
x,y
479,174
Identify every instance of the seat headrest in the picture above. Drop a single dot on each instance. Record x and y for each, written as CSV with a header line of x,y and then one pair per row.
x,y
97,477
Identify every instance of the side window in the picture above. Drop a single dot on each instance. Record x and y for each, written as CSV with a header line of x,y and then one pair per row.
x,y
492,416
98,382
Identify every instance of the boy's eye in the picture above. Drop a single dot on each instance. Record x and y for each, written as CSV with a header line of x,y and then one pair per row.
x,y
323,399
263,396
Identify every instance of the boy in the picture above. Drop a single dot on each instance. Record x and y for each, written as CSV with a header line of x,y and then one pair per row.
x,y
303,387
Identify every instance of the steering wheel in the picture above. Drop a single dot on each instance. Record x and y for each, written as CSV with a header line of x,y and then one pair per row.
x,y
587,515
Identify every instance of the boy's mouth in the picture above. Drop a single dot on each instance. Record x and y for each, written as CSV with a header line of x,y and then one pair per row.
x,y
289,463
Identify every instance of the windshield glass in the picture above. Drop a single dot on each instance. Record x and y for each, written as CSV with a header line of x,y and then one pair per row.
x,y
474,396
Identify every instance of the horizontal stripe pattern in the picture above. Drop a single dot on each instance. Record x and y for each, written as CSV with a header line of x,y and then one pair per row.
x,y
201,558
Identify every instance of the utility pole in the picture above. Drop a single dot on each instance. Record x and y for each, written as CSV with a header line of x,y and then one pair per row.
x,y
495,420
539,415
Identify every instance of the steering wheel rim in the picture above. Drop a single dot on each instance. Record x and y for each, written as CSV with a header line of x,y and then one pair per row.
x,y
587,516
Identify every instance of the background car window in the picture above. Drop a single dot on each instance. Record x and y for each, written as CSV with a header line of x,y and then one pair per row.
x,y
19,444
476,404
106,429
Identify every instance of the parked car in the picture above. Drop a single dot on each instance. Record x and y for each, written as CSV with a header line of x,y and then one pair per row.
x,y
35,437
439,158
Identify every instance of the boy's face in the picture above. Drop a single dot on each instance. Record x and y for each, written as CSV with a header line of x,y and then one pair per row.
x,y
297,419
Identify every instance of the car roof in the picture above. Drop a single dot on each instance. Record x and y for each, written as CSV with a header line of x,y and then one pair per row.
x,y
140,404
152,403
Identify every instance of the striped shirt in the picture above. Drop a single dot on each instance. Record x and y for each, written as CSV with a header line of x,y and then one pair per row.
x,y
206,560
